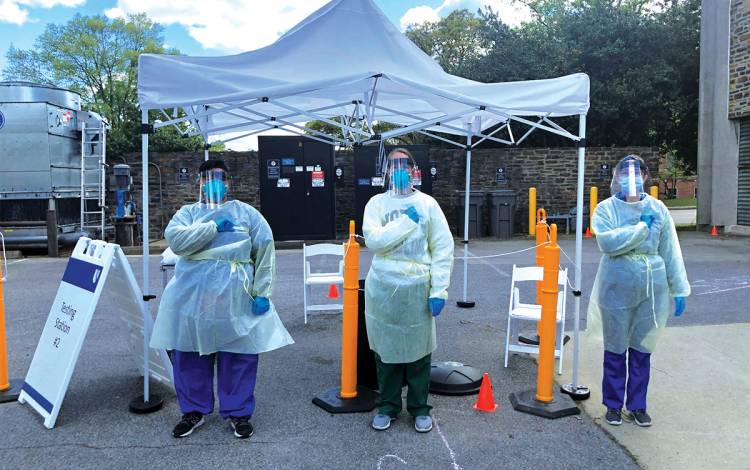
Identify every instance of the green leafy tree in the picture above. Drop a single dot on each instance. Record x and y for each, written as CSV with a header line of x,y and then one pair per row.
x,y
97,57
675,171
641,56
455,41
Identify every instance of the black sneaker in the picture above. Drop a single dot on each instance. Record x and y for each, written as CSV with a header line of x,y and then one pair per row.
x,y
242,427
641,418
613,417
188,424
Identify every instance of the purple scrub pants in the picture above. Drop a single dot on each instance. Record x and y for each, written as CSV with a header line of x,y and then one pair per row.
x,y
194,382
631,366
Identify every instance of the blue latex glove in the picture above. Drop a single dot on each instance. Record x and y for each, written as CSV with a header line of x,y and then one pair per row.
x,y
679,306
261,305
412,213
648,218
224,225
436,305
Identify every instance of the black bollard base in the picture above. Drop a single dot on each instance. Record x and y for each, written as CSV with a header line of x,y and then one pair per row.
x,y
465,304
331,401
576,393
12,393
560,406
141,407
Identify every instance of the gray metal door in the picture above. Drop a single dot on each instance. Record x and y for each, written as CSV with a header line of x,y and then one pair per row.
x,y
743,189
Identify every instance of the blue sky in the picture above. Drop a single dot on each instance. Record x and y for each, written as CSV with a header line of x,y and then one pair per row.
x,y
203,27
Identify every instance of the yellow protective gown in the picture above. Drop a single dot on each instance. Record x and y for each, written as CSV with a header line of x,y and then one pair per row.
x,y
412,262
207,306
640,270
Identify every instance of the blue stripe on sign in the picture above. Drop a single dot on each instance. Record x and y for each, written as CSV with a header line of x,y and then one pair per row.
x,y
43,402
82,274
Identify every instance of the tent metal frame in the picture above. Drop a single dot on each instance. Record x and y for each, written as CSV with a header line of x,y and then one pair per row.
x,y
357,128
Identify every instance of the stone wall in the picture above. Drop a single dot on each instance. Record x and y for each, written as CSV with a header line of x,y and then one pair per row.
x,y
551,171
739,60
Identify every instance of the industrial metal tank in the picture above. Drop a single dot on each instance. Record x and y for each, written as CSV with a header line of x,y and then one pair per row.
x,y
40,164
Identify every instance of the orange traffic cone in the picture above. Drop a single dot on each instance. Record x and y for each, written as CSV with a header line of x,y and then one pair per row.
x,y
486,399
714,232
588,232
333,292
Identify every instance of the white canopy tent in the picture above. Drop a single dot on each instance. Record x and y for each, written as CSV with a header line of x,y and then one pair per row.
x,y
349,62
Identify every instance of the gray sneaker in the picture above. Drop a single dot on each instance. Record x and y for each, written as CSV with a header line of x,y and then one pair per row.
x,y
613,417
423,423
381,422
641,418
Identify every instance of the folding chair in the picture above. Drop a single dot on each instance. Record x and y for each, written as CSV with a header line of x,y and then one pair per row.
x,y
518,312
318,278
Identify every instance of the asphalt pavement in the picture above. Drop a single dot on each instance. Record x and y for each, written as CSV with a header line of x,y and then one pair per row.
x,y
95,428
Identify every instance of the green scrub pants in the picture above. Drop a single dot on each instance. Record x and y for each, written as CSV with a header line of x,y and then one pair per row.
x,y
391,378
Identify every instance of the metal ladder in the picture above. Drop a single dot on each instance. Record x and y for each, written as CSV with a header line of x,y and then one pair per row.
x,y
93,164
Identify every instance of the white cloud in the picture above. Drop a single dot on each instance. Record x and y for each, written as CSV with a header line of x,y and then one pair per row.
x,y
224,25
511,12
419,15
17,11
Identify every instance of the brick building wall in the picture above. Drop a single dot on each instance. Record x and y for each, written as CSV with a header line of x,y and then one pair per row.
x,y
551,171
739,60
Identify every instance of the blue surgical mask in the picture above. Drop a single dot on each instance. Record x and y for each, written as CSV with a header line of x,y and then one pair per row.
x,y
401,179
214,190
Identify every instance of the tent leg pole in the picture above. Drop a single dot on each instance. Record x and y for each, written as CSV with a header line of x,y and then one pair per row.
x,y
465,303
576,390
148,402
205,147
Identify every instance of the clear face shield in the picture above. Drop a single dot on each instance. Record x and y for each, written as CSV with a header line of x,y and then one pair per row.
x,y
400,173
629,179
214,186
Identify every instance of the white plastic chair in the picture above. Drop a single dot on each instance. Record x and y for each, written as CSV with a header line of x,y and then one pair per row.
x,y
326,279
518,311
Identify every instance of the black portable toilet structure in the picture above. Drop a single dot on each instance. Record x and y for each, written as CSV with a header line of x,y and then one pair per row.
x,y
296,187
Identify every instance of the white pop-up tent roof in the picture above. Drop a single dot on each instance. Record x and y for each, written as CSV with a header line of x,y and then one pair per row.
x,y
348,61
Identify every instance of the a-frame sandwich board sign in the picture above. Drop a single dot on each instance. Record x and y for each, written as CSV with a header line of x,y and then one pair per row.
x,y
93,268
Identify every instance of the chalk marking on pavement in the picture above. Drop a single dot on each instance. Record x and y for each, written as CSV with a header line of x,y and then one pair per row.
x,y
724,290
17,261
454,465
393,456
494,268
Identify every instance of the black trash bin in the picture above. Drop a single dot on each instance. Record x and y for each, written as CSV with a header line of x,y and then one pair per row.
x,y
502,210
367,374
476,211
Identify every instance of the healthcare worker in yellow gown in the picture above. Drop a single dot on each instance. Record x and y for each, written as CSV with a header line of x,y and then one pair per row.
x,y
216,310
640,271
405,289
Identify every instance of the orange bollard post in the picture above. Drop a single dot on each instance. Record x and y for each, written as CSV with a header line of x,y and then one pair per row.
x,y
544,401
547,334
9,389
593,202
349,398
541,238
349,318
532,210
